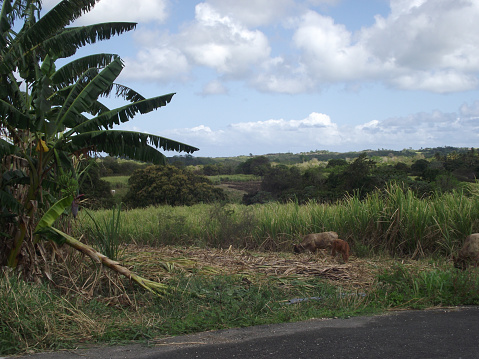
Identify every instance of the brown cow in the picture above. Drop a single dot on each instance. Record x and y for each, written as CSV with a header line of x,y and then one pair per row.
x,y
340,246
315,241
469,253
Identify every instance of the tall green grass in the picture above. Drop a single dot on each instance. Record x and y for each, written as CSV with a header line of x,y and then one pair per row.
x,y
393,221
117,181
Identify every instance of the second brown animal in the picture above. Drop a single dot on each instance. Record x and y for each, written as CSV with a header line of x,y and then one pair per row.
x,y
323,240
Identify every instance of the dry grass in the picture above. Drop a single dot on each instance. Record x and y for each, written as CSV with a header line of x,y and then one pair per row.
x,y
160,263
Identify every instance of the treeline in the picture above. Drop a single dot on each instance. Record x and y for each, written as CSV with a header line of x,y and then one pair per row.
x,y
211,166
362,176
179,184
319,155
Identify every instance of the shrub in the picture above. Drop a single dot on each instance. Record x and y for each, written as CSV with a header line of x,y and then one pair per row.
x,y
156,185
257,166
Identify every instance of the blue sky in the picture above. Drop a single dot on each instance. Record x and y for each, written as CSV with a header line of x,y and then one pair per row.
x,y
267,76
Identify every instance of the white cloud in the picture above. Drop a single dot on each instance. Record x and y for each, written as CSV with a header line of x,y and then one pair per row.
x,y
254,13
222,43
422,45
428,45
161,63
318,131
212,40
328,53
470,110
127,10
215,87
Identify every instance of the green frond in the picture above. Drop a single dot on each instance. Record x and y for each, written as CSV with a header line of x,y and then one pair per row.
x,y
5,23
11,116
54,21
84,95
123,114
127,93
66,43
72,71
135,145
52,214
6,148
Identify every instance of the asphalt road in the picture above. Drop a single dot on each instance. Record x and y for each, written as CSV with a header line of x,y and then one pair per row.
x,y
441,333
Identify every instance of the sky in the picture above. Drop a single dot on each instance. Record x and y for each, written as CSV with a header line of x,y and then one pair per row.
x,y
275,76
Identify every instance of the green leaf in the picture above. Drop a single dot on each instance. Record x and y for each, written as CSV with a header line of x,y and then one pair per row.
x,y
65,43
83,96
135,145
123,114
12,116
53,213
71,72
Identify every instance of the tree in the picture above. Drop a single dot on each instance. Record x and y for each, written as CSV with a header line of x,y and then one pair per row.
x,y
259,166
157,185
49,117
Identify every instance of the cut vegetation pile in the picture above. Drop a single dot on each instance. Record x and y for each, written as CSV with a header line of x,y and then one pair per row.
x,y
157,262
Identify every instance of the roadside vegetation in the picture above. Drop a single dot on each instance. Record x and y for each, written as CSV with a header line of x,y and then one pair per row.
x,y
227,264
129,248
214,289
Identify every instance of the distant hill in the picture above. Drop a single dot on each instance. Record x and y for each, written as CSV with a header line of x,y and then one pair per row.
x,y
320,155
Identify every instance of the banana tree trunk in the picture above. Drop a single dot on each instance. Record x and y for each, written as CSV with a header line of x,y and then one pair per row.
x,y
97,257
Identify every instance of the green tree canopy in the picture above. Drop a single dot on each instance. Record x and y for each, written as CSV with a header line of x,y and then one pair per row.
x,y
158,185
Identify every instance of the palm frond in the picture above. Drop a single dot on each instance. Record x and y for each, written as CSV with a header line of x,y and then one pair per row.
x,y
127,93
135,145
119,115
6,148
55,20
68,41
11,116
72,71
5,23
83,95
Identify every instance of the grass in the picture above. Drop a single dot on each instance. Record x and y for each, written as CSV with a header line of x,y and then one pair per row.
x,y
232,266
117,181
216,289
119,184
401,287
234,178
392,221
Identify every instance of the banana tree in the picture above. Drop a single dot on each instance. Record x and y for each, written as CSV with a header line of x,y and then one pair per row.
x,y
49,115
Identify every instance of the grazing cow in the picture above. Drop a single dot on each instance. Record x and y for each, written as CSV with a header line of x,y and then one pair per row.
x,y
340,246
469,253
315,241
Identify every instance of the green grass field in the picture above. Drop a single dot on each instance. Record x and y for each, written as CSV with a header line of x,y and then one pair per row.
x,y
232,266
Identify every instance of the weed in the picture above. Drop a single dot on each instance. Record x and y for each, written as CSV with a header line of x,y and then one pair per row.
x,y
404,287
105,234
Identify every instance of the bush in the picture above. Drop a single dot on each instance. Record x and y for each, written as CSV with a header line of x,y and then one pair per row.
x,y
258,166
157,185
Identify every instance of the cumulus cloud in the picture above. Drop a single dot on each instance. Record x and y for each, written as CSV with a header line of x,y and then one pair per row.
x,y
422,45
218,41
212,40
328,53
165,63
319,131
253,13
428,45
